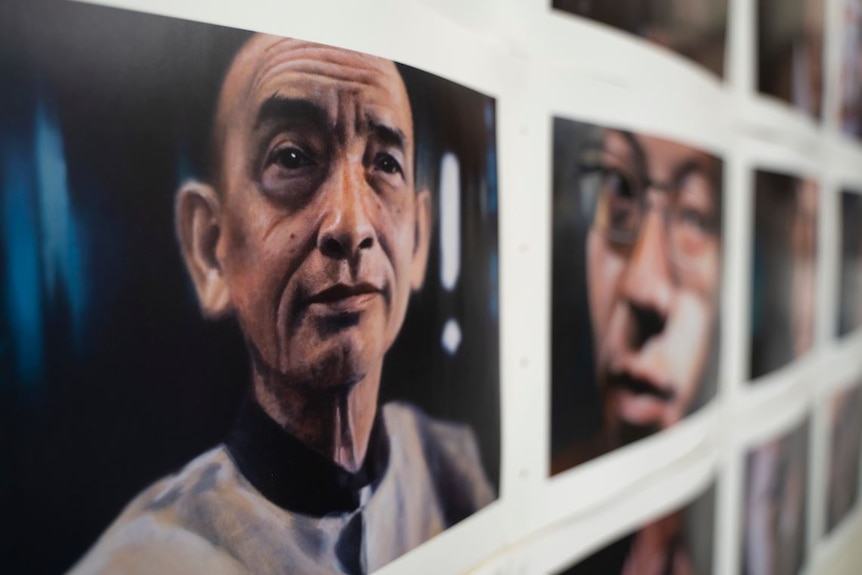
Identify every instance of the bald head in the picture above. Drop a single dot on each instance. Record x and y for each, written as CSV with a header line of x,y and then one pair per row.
x,y
271,70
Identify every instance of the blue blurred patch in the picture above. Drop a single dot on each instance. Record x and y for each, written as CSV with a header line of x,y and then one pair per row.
x,y
61,253
44,270
23,278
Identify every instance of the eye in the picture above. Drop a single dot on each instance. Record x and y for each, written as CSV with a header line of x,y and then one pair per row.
x,y
291,173
701,221
614,200
291,158
387,164
695,204
617,185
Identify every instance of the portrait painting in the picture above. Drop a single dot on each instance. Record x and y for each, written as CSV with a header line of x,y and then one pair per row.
x,y
784,265
695,29
849,309
790,52
679,543
774,511
845,433
636,280
249,316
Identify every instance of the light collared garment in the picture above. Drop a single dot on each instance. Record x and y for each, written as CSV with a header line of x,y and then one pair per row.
x,y
209,518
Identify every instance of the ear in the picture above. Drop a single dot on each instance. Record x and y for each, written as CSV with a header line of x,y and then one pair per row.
x,y
423,239
197,213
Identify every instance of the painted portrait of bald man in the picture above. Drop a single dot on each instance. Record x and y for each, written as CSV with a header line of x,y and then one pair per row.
x,y
311,232
249,316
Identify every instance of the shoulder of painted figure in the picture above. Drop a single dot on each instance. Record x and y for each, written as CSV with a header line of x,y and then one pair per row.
x,y
451,453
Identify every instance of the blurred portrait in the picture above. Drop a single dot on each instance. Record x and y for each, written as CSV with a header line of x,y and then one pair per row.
x,y
845,432
851,68
635,292
695,29
680,543
249,301
790,52
784,270
849,312
774,512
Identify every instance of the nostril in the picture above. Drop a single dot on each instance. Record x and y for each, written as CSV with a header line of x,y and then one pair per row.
x,y
649,322
366,243
332,248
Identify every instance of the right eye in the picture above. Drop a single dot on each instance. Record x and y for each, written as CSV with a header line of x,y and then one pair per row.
x,y
292,173
291,158
616,185
620,204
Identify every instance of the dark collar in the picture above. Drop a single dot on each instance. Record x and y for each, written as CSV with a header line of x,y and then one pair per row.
x,y
294,476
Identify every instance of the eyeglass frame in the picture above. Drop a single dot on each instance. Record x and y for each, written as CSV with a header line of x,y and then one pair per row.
x,y
641,183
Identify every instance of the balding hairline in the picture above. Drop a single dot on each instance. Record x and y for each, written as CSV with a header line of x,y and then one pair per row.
x,y
218,132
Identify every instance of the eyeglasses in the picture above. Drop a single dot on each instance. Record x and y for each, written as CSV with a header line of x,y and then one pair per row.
x,y
618,201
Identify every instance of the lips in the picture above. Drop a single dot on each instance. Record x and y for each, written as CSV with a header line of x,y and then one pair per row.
x,y
641,386
639,402
345,297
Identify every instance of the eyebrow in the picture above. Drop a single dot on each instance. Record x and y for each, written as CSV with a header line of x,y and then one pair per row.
x,y
279,108
387,135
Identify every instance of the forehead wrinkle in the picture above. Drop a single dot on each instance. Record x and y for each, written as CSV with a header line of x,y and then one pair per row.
x,y
264,57
314,68
334,63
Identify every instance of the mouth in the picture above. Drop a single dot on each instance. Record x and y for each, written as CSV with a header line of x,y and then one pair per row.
x,y
642,406
345,298
642,387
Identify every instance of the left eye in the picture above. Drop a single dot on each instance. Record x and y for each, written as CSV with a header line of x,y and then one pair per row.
x,y
386,163
702,222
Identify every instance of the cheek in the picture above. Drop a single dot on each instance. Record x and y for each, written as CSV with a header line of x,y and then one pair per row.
x,y
260,251
604,268
688,339
706,275
395,227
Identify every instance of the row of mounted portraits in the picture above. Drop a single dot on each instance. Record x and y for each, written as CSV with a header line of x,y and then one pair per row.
x,y
789,44
771,528
253,298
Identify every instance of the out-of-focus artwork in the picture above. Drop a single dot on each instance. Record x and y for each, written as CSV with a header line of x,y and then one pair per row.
x,y
784,270
774,511
790,52
636,285
695,29
845,432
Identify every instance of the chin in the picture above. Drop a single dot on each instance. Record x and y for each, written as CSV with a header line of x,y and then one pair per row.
x,y
340,362
629,432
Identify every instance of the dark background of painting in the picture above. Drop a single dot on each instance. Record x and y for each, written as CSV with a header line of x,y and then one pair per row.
x,y
698,538
695,29
576,410
850,298
109,377
772,313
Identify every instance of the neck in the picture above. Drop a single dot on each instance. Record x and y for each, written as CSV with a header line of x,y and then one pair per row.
x,y
334,422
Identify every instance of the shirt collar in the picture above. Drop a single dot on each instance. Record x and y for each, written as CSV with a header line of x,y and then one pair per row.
x,y
294,476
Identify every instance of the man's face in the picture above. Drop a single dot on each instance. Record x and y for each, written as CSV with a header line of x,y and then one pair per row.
x,y
653,258
319,213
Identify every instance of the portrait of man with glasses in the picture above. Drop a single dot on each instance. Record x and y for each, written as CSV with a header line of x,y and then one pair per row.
x,y
636,275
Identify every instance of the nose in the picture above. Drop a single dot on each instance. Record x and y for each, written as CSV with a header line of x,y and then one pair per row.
x,y
647,284
346,228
